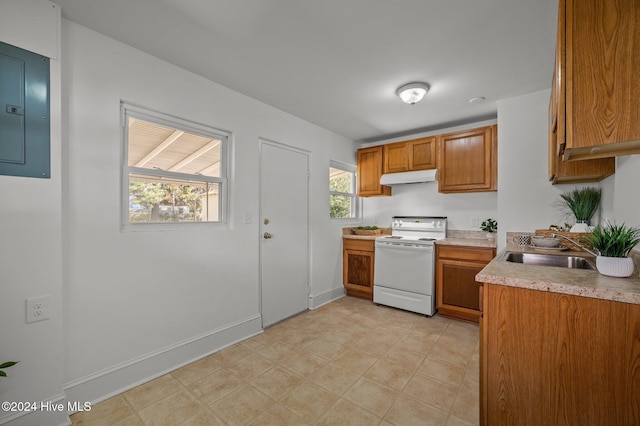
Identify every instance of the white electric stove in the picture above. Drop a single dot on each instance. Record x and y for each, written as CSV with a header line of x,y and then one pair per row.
x,y
404,269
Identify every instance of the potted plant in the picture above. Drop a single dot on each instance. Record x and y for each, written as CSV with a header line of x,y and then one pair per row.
x,y
613,243
489,226
583,203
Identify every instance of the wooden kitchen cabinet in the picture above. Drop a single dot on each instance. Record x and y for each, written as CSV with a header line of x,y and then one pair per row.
x,y
370,164
457,291
560,171
358,258
468,160
597,84
408,156
548,358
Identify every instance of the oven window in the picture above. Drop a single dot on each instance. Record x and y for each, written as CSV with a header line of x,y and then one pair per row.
x,y
343,201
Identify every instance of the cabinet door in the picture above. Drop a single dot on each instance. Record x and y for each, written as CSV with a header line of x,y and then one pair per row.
x,y
602,84
567,171
396,157
550,358
422,153
468,160
457,291
370,162
357,273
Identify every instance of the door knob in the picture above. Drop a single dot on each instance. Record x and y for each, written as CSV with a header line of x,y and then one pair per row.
x,y
267,235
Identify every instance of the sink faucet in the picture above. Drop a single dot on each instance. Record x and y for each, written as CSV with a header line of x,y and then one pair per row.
x,y
594,253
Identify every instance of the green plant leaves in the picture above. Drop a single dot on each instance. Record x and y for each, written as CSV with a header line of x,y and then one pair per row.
x,y
583,203
613,240
6,365
489,225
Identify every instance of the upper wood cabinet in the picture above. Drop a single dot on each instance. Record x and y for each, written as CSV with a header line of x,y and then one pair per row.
x,y
370,162
468,160
568,171
573,171
597,78
417,154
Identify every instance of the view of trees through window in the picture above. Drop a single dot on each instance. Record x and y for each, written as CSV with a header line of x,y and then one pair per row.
x,y
342,193
170,201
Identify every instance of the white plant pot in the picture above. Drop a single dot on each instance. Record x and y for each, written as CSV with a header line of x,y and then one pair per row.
x,y
581,226
615,266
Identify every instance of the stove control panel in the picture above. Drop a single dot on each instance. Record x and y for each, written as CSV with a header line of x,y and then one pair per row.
x,y
417,223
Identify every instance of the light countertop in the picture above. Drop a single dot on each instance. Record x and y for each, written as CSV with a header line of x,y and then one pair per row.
x,y
360,237
578,282
469,242
455,238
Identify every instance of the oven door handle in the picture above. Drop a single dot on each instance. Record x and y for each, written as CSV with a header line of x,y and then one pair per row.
x,y
393,246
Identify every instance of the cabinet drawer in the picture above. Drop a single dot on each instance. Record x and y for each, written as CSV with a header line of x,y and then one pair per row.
x,y
362,245
483,254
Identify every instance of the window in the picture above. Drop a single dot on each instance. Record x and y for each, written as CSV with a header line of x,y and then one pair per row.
x,y
173,170
342,191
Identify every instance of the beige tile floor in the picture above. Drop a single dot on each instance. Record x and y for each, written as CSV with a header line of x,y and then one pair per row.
x,y
347,363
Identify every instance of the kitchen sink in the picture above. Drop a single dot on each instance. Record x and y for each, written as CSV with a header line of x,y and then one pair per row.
x,y
572,262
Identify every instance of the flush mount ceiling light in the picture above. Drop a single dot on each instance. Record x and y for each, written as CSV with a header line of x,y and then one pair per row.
x,y
477,100
412,93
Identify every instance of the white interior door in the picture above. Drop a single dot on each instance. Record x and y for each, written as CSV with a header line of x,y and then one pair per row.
x,y
284,232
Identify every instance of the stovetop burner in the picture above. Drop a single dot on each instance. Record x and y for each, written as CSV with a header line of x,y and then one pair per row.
x,y
426,239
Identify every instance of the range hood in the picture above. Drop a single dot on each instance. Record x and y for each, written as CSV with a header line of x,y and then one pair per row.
x,y
409,177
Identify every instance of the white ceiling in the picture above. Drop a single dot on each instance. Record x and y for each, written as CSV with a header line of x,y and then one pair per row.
x,y
338,63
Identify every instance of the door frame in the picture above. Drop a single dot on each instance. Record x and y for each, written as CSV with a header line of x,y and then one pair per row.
x,y
262,142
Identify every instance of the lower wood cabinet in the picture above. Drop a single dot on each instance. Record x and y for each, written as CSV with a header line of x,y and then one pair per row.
x,y
548,359
357,267
457,291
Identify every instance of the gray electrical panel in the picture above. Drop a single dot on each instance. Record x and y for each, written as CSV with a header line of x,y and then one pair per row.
x,y
25,148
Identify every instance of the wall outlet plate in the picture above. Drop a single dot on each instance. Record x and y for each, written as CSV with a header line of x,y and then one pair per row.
x,y
38,308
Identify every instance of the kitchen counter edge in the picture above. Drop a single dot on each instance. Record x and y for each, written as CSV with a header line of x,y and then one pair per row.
x,y
467,242
577,282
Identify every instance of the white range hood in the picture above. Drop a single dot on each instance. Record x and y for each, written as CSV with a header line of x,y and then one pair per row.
x,y
409,177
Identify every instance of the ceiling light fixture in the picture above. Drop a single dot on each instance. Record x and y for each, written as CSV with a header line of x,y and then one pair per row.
x,y
476,100
412,93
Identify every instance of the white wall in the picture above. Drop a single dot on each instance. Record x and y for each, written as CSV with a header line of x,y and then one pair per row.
x,y
423,199
526,200
626,199
129,295
30,247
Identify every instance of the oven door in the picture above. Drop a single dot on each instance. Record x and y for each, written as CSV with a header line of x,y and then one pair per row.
x,y
405,267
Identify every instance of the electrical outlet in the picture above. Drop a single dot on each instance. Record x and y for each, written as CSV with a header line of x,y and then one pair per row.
x,y
475,222
38,308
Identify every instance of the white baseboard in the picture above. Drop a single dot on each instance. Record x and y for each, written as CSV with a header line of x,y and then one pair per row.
x,y
315,301
107,383
52,411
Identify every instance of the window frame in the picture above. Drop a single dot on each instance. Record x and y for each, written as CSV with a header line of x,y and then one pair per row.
x,y
127,111
356,200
